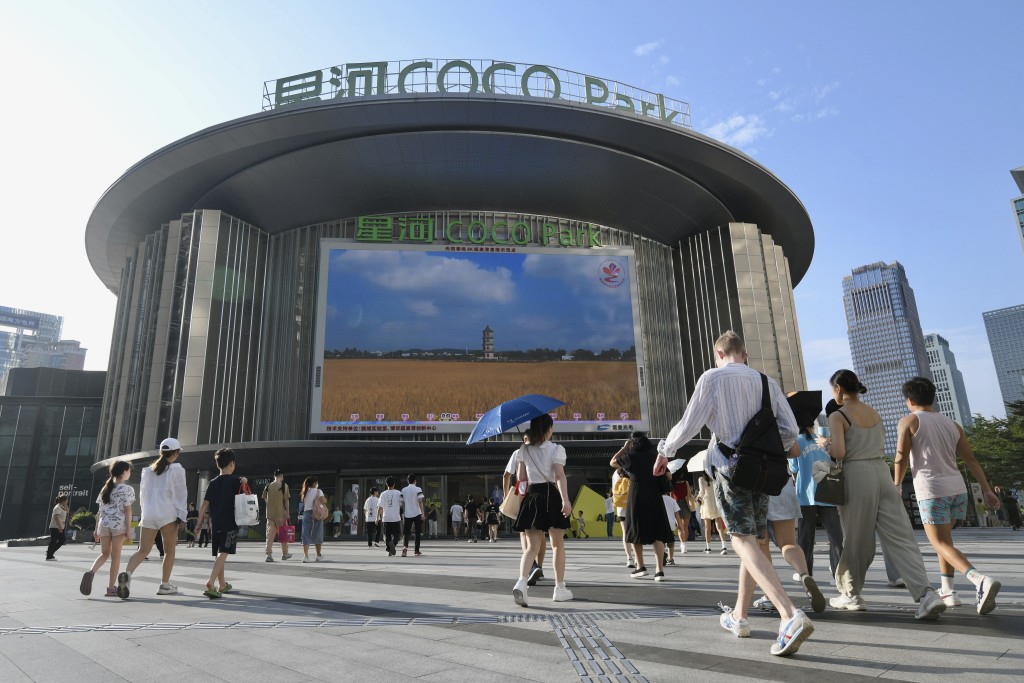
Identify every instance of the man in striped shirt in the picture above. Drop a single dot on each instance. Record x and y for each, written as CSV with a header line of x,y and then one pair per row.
x,y
725,399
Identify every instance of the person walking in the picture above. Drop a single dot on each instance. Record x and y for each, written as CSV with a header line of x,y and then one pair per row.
x,y
709,513
190,525
609,515
113,524
491,517
581,524
389,513
163,495
456,513
873,504
370,515
219,504
930,443
725,399
58,525
432,522
277,498
545,506
620,497
312,528
336,518
810,509
683,496
646,523
672,514
511,471
204,534
412,505
472,518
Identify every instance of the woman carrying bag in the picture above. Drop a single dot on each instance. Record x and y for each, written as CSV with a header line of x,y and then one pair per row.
x,y
313,525
545,507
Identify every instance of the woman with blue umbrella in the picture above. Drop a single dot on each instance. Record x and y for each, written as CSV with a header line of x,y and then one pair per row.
x,y
545,506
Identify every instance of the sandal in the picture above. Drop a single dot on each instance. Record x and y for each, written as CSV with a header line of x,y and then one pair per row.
x,y
226,588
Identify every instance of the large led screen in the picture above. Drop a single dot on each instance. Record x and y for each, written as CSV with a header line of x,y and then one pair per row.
x,y
425,339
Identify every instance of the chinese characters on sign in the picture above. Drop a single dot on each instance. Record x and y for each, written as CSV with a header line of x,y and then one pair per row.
x,y
422,229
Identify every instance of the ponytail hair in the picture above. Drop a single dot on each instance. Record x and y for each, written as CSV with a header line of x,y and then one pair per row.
x,y
309,483
848,382
117,468
162,463
538,430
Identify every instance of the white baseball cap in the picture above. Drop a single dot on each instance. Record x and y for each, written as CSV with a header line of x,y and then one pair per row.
x,y
170,444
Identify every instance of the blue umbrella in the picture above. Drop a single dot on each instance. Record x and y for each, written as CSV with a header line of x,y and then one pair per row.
x,y
511,413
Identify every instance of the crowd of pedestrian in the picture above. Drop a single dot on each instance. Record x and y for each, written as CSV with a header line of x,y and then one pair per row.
x,y
653,505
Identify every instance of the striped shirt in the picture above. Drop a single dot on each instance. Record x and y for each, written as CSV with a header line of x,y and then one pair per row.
x,y
725,399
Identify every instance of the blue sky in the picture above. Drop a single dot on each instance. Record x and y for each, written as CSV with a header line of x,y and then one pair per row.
x,y
896,124
390,300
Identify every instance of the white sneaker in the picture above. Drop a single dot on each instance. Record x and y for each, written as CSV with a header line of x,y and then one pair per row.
x,y
286,556
931,606
166,589
951,599
987,590
519,593
763,603
306,560
319,558
792,634
562,594
738,627
854,603
270,558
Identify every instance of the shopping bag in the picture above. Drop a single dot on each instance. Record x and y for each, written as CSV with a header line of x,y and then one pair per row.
x,y
286,534
513,501
247,507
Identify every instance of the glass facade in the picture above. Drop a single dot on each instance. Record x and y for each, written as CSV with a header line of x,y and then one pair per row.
x,y
23,332
886,341
950,392
1018,203
1005,328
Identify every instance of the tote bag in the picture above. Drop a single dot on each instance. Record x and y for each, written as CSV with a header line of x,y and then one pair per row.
x,y
247,507
831,490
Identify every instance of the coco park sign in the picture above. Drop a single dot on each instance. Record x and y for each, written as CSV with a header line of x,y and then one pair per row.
x,y
470,76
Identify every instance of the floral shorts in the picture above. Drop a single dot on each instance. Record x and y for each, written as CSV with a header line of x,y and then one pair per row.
x,y
943,510
745,512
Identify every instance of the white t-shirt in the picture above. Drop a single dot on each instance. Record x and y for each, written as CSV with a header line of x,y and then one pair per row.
x,y
307,502
390,503
370,508
609,505
164,496
671,508
411,497
111,514
540,461
456,513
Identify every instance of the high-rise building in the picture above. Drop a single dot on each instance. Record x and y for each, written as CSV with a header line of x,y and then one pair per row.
x,y
886,341
1018,203
20,331
1005,328
950,392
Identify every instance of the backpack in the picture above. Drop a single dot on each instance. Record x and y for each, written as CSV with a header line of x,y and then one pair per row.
x,y
620,492
761,462
320,509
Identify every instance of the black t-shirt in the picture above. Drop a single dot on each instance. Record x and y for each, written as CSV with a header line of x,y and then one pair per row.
x,y
220,494
492,513
471,512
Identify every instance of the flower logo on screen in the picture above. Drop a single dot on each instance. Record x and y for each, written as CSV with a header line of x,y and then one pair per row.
x,y
611,274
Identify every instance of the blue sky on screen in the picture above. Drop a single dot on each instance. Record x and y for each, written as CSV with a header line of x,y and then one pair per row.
x,y
402,299
895,123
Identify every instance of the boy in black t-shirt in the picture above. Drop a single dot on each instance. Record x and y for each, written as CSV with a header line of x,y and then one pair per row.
x,y
472,518
220,503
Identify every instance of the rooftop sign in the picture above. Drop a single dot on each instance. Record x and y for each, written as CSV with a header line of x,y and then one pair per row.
x,y
363,79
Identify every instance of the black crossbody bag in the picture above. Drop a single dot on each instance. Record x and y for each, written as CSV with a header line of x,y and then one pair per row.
x,y
761,464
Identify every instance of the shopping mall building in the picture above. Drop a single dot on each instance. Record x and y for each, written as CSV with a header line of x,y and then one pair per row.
x,y
341,283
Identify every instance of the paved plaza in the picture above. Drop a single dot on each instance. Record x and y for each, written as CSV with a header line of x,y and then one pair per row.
x,y
449,616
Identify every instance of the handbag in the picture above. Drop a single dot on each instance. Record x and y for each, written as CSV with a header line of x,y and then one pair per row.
x,y
320,509
760,464
286,534
513,501
247,507
831,490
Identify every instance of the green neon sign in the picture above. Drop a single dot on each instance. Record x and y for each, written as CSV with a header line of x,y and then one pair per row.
x,y
426,230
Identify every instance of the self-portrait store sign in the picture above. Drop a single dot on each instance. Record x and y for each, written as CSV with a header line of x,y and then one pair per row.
x,y
362,79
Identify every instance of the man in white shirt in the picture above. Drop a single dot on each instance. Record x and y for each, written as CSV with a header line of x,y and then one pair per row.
x,y
389,512
456,515
412,501
370,515
725,398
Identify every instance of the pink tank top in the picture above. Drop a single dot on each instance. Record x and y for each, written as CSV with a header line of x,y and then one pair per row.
x,y
933,457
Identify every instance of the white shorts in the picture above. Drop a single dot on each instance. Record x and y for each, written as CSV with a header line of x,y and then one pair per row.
x,y
157,524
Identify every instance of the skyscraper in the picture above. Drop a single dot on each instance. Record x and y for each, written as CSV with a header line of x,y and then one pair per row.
x,y
1005,328
21,330
886,341
1018,203
950,394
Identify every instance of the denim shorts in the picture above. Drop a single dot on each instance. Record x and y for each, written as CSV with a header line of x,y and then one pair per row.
x,y
745,512
943,510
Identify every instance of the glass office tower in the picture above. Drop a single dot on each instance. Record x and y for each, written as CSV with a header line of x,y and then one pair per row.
x,y
20,331
886,341
950,392
1005,328
1018,203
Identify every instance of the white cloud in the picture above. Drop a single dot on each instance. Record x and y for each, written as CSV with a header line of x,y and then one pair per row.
x,y
738,130
826,112
646,48
429,276
663,59
423,309
672,80
821,91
